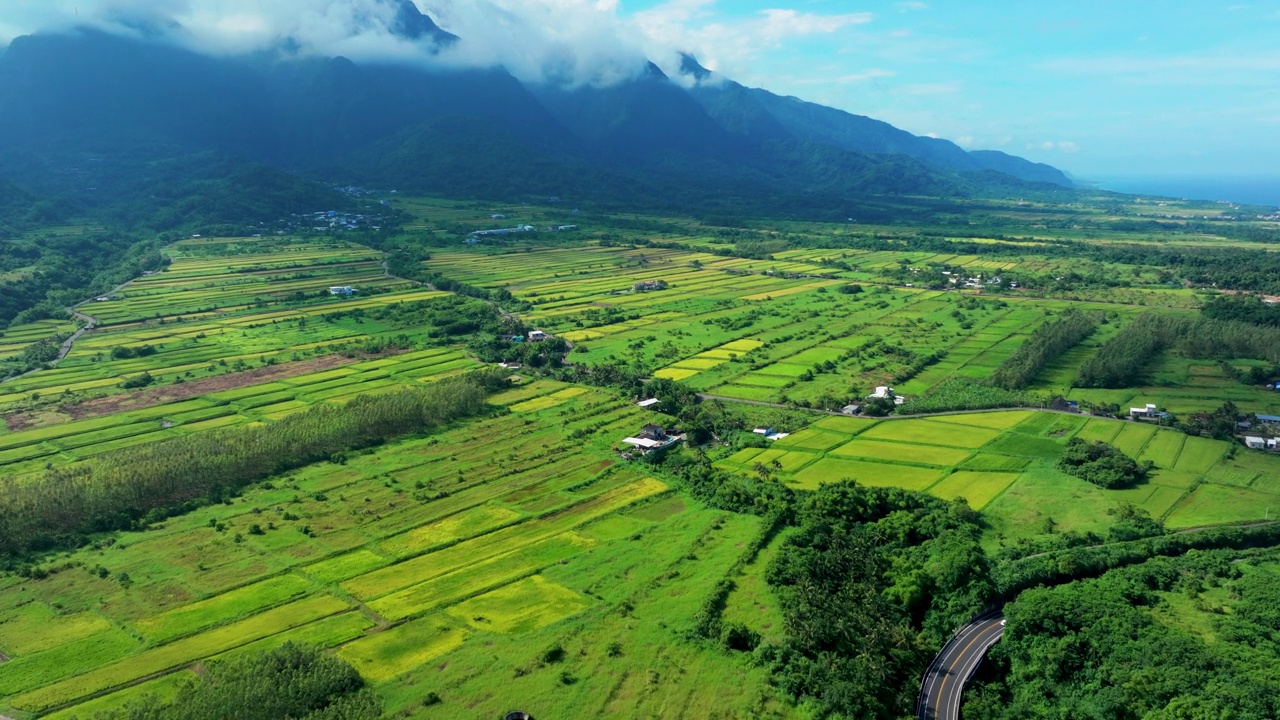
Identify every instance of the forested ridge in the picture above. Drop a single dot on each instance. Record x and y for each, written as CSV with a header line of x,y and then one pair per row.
x,y
60,244
51,271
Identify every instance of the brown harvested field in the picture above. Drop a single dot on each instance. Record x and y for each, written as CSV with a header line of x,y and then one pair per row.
x,y
195,388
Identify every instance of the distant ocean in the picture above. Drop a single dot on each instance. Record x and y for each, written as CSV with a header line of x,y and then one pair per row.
x,y
1247,189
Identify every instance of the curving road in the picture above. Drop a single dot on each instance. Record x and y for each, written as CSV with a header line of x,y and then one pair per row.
x,y
944,681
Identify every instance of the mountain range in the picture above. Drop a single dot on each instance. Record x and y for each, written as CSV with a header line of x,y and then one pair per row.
x,y
93,117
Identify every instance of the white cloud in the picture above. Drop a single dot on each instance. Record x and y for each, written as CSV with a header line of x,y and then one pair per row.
x,y
565,41
1062,146
728,45
569,41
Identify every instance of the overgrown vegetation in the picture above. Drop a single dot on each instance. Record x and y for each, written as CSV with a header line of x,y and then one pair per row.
x,y
965,394
292,681
1102,464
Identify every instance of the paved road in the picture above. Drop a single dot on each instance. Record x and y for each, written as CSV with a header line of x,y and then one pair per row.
x,y
944,681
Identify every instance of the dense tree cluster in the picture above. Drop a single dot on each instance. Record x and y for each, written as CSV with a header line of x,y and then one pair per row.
x,y
1244,308
294,682
1121,361
871,583
1056,567
1101,464
1047,343
33,356
1098,649
141,484
1220,424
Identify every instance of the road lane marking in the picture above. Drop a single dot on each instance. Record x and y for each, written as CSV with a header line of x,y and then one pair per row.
x,y
979,631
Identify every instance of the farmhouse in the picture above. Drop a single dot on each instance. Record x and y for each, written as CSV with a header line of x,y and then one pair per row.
x,y
1261,443
853,409
884,392
342,291
769,434
537,336
652,439
1148,412
505,231
647,285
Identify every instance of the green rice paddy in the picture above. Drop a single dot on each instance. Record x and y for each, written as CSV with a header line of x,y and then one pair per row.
x,y
453,564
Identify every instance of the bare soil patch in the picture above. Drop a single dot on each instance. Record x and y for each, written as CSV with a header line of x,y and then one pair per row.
x,y
19,421
195,388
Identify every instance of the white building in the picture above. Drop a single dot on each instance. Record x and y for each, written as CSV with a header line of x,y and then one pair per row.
x,y
1149,411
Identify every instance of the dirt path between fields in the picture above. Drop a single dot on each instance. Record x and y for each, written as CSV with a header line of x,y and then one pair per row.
x,y
916,416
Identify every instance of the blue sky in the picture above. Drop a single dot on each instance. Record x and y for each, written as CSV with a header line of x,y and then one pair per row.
x,y
1097,88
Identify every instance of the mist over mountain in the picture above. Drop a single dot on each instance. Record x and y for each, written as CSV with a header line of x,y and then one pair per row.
x,y
92,112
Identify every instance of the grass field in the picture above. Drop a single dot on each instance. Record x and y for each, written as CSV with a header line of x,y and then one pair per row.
x,y
1003,463
522,554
